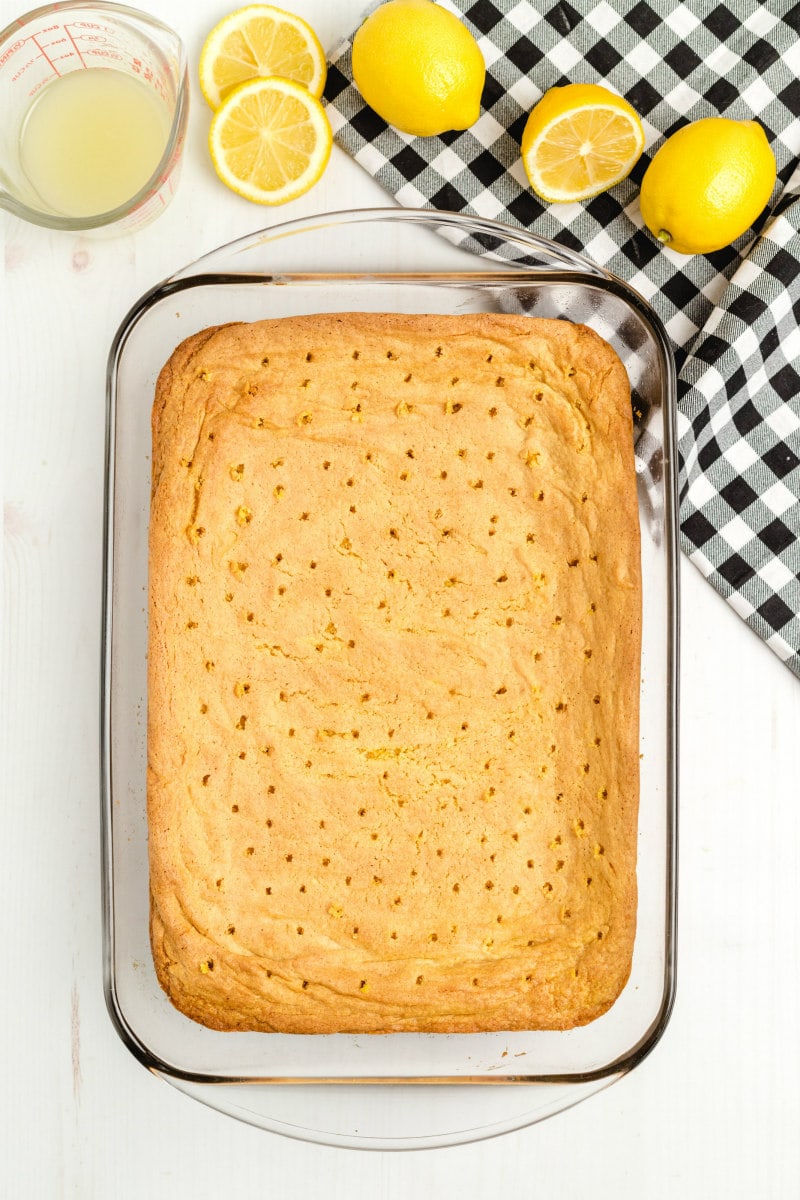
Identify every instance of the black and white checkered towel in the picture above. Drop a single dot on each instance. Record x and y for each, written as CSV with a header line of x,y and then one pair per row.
x,y
732,315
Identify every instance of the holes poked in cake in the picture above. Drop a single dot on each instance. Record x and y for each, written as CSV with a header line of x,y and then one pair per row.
x,y
195,533
480,531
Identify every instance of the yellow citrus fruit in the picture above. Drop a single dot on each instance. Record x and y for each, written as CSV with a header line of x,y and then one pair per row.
x,y
707,184
256,42
580,140
419,67
270,140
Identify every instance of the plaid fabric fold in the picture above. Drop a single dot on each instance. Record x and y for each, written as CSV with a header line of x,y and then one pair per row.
x,y
732,316
739,435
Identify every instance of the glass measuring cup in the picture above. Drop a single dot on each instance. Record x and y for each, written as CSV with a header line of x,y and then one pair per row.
x,y
50,43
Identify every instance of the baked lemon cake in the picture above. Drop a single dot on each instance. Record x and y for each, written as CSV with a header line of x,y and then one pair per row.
x,y
394,642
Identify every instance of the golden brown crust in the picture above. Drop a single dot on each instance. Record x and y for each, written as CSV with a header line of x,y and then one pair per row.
x,y
393,675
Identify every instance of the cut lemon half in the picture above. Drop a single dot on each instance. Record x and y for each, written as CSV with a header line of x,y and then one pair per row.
x,y
579,140
259,41
270,140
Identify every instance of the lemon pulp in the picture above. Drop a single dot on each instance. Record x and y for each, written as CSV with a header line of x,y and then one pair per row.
x,y
270,140
579,140
259,41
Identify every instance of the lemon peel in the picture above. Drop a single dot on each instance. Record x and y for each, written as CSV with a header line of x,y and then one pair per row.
x,y
418,66
707,184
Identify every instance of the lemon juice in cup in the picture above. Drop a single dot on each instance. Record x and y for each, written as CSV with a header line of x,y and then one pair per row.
x,y
92,140
95,101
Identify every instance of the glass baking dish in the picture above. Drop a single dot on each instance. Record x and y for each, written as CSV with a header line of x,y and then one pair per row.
x,y
333,1088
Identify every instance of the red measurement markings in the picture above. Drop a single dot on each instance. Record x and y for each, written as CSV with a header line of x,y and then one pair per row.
x,y
68,32
45,55
11,51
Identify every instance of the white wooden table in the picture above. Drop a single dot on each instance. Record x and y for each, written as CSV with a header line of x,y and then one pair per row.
x,y
713,1112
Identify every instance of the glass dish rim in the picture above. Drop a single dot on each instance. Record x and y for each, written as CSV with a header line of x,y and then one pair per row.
x,y
565,266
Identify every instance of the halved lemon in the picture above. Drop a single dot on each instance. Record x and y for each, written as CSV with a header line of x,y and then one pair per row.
x,y
259,41
579,140
270,140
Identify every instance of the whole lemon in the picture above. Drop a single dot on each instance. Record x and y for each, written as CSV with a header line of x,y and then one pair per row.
x,y
707,184
419,67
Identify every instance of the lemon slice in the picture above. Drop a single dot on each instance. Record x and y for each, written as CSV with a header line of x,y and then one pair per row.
x,y
270,140
580,140
257,42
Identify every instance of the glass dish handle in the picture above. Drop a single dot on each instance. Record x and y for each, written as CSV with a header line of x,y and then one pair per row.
x,y
378,230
